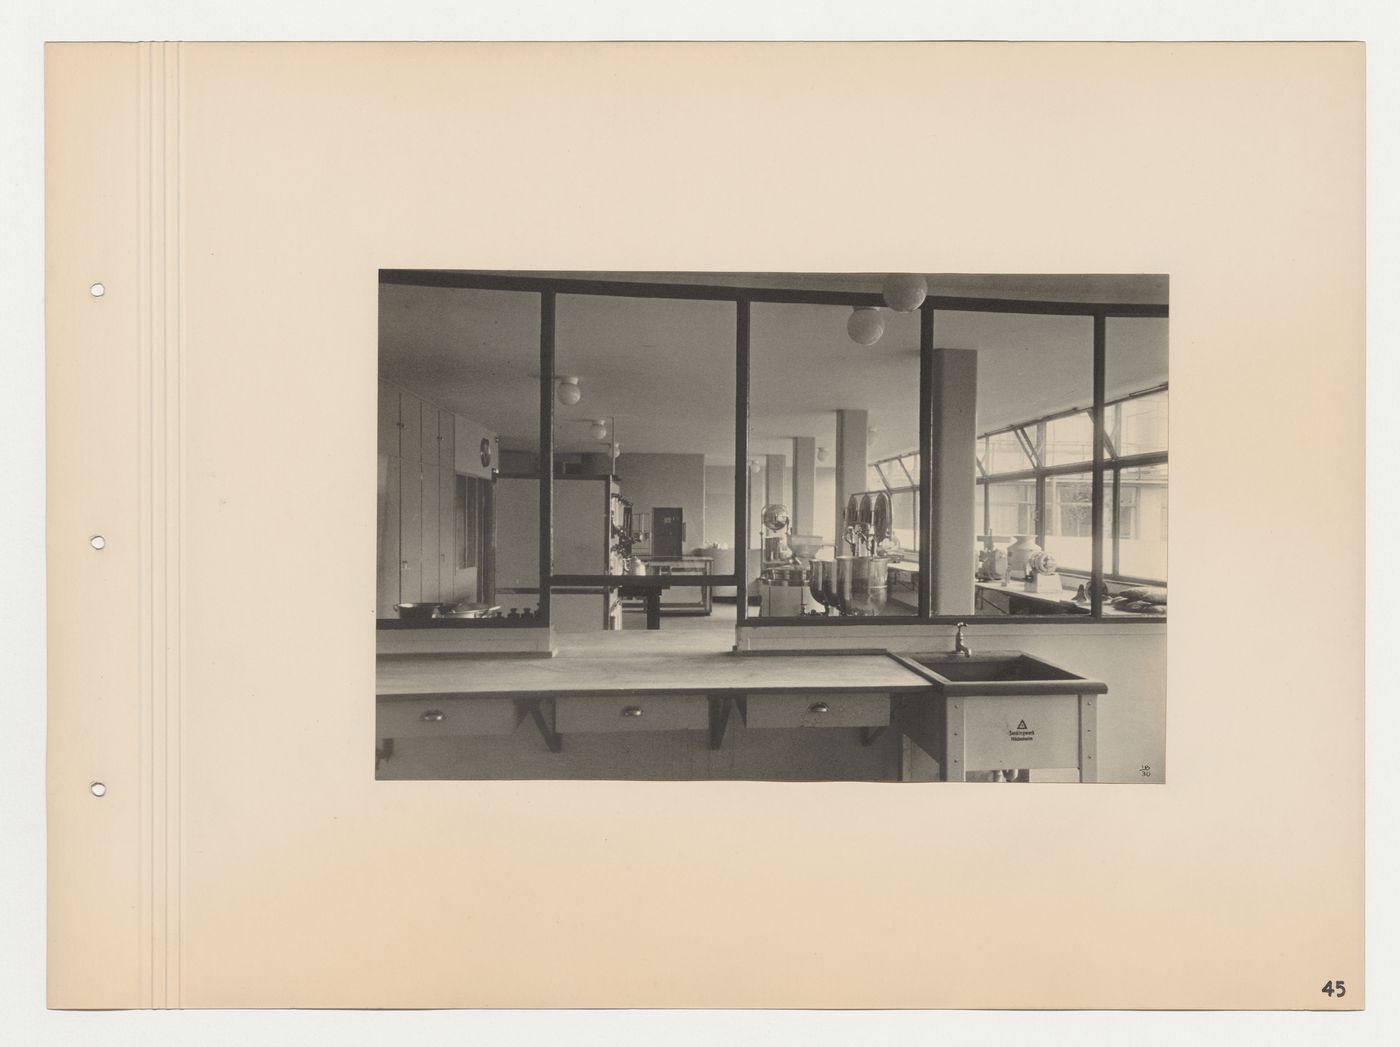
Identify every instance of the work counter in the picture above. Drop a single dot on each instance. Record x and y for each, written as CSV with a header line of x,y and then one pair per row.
x,y
640,706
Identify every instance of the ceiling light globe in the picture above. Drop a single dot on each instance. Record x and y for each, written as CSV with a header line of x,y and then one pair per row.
x,y
599,430
568,392
905,292
866,325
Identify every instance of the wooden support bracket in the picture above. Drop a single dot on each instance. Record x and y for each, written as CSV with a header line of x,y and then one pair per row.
x,y
547,732
720,704
383,751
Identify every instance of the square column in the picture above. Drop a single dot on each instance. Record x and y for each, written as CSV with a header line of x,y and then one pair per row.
x,y
774,472
804,485
852,430
954,460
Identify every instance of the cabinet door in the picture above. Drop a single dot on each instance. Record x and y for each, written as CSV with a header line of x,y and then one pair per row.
x,y
410,427
449,541
410,532
388,582
431,550
388,420
446,447
428,433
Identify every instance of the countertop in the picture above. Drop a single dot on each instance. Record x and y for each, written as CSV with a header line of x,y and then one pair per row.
x,y
608,667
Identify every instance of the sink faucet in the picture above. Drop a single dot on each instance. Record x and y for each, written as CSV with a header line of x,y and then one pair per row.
x,y
959,647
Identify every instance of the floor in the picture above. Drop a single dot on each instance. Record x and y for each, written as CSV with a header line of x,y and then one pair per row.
x,y
711,632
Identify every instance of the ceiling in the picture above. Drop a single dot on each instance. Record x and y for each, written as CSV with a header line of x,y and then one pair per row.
x,y
662,370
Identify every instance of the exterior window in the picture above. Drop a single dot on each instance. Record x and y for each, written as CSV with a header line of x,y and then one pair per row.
x,y
1143,552
1069,440
1011,508
1128,512
1069,526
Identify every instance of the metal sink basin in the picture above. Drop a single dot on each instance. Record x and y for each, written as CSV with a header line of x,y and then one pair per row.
x,y
1000,672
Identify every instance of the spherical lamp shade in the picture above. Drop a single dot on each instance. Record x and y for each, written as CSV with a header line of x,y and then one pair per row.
x,y
865,326
599,430
568,392
905,292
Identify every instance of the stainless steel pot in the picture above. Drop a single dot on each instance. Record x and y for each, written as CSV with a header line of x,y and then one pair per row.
x,y
862,584
417,611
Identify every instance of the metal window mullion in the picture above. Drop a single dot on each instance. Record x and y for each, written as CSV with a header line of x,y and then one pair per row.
x,y
1096,496
742,476
548,306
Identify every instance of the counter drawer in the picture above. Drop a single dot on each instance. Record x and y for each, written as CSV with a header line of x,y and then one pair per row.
x,y
817,709
606,713
443,717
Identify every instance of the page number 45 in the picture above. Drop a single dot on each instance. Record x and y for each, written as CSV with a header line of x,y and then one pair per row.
x,y
1336,989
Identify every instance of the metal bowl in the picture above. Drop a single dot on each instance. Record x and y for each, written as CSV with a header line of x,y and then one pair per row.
x,y
816,573
417,612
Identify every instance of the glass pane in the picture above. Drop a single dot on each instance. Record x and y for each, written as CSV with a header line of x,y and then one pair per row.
x,y
812,385
1068,520
458,416
1142,424
1142,527
1137,361
653,430
1069,440
1003,453
1011,509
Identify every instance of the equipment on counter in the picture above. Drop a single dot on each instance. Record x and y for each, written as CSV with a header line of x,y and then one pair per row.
x,y
1042,574
783,578
1018,556
992,563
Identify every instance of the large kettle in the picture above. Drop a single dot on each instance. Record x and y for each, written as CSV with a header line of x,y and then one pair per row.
x,y
862,584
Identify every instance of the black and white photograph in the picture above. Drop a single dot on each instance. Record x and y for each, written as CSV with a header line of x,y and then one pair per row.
x,y
772,526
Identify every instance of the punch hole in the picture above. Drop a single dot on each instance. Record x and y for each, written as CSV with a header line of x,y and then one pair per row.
x,y
97,290
97,789
98,542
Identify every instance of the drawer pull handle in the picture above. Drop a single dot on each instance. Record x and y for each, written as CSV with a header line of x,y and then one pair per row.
x,y
632,710
433,716
819,707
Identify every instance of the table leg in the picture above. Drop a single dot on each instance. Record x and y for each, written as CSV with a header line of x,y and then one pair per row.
x,y
654,609
1088,744
954,742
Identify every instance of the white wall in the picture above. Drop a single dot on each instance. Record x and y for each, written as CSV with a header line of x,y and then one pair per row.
x,y
649,480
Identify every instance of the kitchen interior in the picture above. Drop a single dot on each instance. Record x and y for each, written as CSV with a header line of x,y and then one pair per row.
x,y
796,527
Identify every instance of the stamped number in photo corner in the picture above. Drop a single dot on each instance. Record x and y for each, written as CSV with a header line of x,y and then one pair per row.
x,y
1336,989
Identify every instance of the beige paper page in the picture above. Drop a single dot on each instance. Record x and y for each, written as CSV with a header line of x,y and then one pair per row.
x,y
212,415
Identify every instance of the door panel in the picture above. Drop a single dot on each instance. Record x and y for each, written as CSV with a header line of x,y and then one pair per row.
x,y
428,434
432,586
387,587
449,538
411,533
388,420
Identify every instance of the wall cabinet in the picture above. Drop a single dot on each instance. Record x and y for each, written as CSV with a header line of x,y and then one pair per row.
x,y
418,537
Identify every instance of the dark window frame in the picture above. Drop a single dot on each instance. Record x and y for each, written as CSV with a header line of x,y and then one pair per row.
x,y
549,288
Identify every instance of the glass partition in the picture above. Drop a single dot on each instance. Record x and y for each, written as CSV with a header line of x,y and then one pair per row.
x,y
457,537
644,460
1035,385
833,449
1135,378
